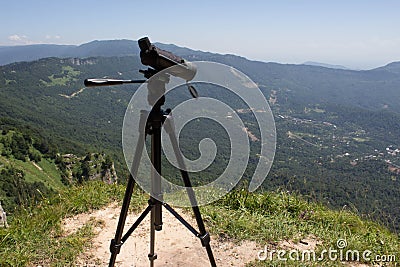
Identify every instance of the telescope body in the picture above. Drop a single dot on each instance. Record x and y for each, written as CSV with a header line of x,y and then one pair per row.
x,y
159,59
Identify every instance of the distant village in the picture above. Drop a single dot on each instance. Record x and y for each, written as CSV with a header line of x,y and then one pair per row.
x,y
390,155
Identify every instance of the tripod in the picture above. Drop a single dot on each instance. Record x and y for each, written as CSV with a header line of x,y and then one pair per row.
x,y
151,123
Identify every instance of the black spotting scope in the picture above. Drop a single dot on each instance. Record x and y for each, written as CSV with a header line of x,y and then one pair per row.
x,y
159,59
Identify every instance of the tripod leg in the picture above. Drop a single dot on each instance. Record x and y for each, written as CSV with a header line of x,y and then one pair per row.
x,y
204,235
152,255
156,172
156,212
116,243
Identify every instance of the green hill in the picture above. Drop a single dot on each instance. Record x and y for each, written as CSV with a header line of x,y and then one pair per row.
x,y
25,172
338,130
31,167
334,126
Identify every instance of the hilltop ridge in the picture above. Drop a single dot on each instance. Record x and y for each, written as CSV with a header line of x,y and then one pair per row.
x,y
108,48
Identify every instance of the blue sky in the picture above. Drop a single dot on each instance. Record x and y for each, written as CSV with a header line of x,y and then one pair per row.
x,y
359,34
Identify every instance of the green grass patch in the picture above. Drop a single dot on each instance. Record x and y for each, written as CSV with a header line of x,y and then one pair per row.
x,y
271,217
67,75
35,236
45,171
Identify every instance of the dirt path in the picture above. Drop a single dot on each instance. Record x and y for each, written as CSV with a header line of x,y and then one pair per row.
x,y
175,245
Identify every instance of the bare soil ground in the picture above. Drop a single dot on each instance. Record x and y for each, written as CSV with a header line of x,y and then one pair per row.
x,y
175,245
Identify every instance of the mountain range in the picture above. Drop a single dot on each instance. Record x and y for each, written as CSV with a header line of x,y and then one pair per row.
x,y
10,54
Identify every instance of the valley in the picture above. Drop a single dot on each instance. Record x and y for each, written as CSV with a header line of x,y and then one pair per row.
x,y
337,130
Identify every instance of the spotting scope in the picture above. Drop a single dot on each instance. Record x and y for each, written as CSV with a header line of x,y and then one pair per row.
x,y
158,60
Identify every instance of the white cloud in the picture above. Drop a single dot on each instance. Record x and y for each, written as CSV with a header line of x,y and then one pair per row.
x,y
17,37
20,39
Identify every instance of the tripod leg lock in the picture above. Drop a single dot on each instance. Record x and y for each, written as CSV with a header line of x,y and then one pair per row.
x,y
114,247
205,239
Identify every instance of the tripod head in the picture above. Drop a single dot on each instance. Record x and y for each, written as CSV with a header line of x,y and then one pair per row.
x,y
158,60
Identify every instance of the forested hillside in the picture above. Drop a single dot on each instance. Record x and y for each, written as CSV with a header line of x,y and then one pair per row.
x,y
338,130
31,167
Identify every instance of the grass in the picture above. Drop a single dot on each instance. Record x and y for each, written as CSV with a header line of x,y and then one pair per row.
x,y
48,174
69,75
271,217
35,236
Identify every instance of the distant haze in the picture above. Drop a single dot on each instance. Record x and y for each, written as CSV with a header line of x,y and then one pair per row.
x,y
357,34
17,53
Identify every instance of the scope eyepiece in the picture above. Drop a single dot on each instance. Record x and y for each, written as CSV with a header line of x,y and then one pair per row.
x,y
144,43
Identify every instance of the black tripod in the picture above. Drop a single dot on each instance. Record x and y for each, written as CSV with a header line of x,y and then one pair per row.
x,y
151,124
